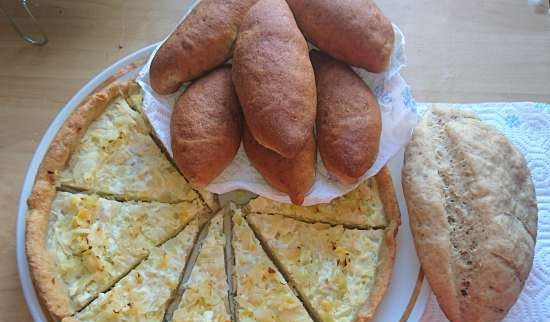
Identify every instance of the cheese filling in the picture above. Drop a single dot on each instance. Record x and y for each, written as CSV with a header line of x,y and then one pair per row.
x,y
144,294
333,268
117,156
262,293
94,241
361,208
205,298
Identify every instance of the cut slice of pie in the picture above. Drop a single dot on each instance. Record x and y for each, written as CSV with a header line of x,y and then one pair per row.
x,y
144,294
363,207
206,292
104,147
117,156
92,242
340,273
262,295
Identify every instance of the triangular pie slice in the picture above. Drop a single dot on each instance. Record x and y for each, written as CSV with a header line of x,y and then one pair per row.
x,y
339,273
103,148
262,293
144,294
92,242
360,208
117,156
206,292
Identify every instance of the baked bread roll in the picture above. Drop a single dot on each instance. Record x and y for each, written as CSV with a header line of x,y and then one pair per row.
x,y
473,214
348,119
206,127
274,78
201,42
354,31
291,176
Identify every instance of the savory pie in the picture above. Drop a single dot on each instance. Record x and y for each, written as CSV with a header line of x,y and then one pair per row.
x,y
361,208
80,244
206,292
117,156
333,268
341,273
263,295
93,242
145,293
113,230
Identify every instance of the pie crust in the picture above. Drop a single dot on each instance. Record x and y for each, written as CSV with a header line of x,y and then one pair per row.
x,y
53,294
386,253
43,192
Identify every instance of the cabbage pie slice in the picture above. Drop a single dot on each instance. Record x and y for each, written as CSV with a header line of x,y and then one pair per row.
x,y
206,294
144,294
92,242
263,295
336,270
361,208
117,156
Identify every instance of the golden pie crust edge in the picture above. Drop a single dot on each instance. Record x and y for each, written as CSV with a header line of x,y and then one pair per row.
x,y
367,311
61,148
387,253
51,293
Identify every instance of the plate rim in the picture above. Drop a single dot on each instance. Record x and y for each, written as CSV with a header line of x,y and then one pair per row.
x,y
420,291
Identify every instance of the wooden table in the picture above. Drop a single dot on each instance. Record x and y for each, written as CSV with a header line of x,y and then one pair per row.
x,y
459,51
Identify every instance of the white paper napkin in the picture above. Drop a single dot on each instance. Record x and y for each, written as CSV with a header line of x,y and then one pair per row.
x,y
398,119
527,125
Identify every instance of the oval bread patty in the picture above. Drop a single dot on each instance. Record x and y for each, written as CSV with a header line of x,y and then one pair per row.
x,y
274,78
206,127
473,214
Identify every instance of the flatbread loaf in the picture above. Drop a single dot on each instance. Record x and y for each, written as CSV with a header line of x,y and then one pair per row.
x,y
473,214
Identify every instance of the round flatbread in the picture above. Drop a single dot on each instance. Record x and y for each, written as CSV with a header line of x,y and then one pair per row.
x,y
473,214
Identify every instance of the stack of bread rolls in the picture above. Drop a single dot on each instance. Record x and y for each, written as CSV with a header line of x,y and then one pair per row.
x,y
280,99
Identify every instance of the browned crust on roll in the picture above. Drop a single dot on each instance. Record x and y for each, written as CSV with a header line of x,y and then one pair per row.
x,y
291,176
50,291
388,248
473,212
201,42
348,119
206,127
274,78
354,31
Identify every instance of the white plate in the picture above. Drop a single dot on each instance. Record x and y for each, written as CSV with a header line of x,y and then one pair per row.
x,y
406,296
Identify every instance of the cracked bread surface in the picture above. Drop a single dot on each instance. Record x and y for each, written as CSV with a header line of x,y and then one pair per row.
x,y
473,211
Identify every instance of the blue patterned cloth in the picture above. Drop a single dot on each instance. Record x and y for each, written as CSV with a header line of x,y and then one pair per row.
x,y
527,125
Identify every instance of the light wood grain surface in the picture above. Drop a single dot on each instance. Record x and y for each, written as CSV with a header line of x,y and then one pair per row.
x,y
458,51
